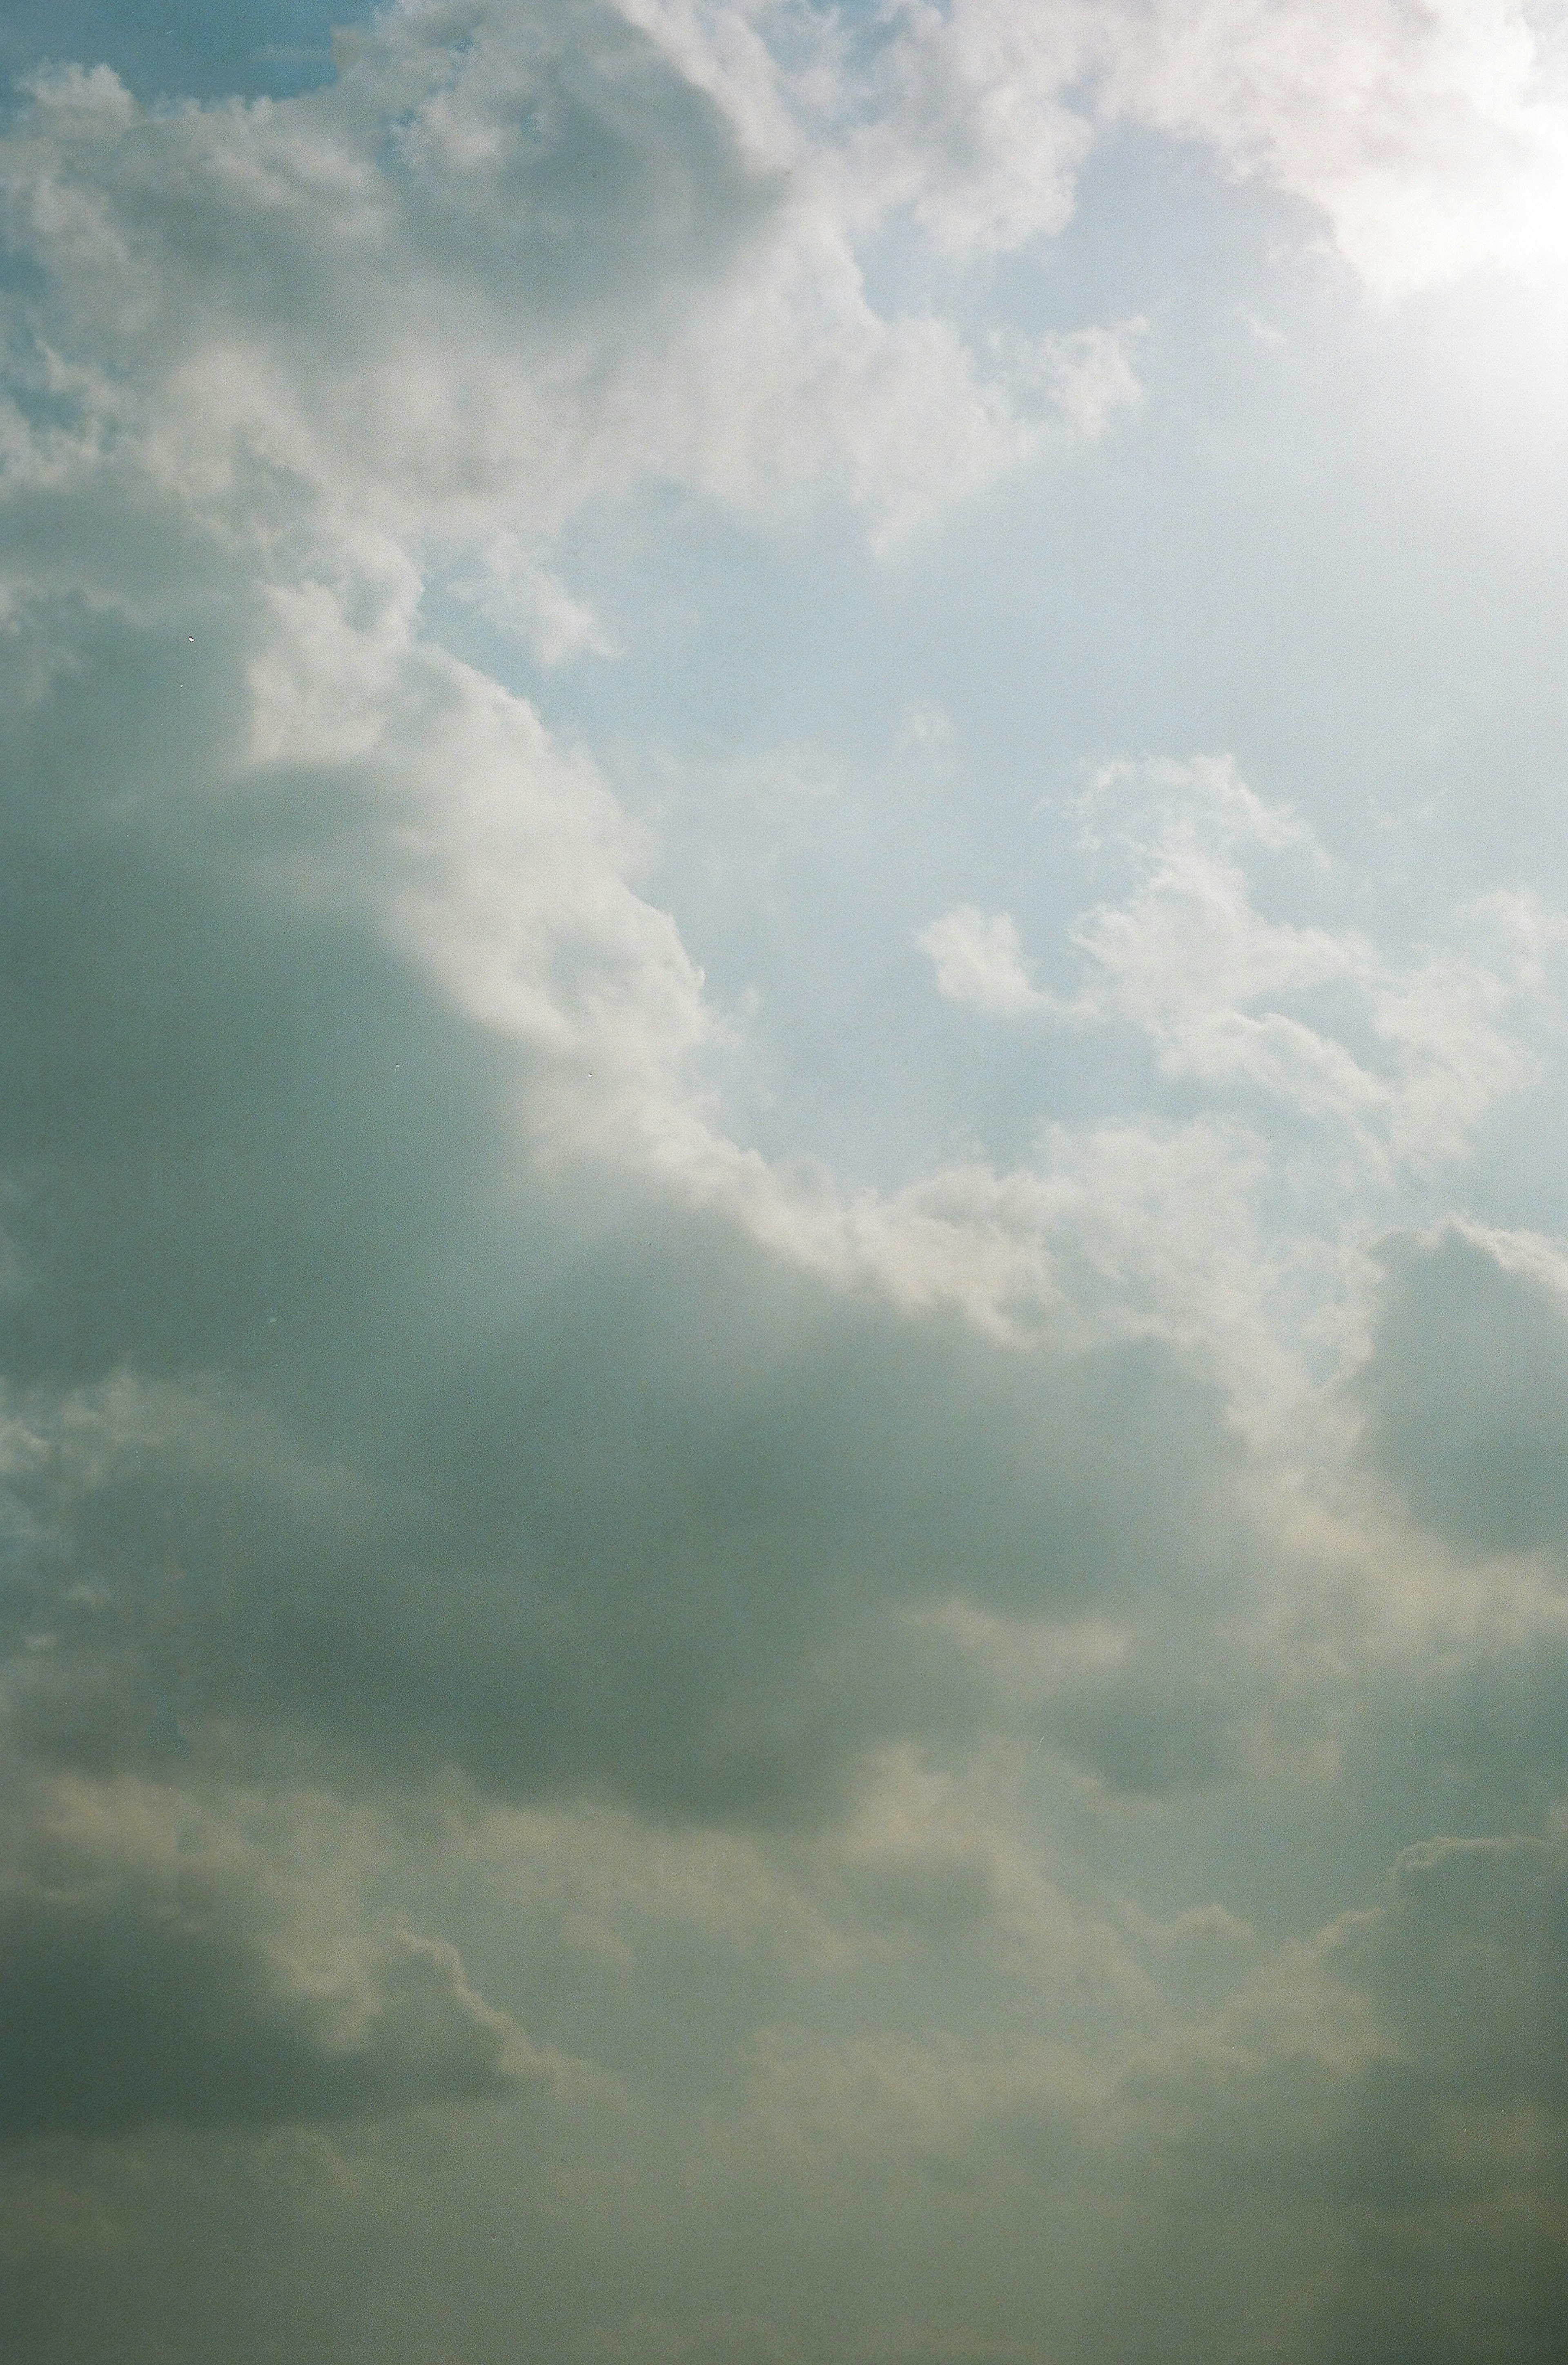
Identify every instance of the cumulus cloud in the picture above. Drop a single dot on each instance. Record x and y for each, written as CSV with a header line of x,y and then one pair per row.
x,y
1405,2068
450,1455
1465,1389
504,262
1399,2072
144,1981
416,1391
1430,139
656,1534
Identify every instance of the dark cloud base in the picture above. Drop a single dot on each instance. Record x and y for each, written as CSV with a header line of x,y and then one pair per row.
x,y
122,2007
1466,1394
452,1470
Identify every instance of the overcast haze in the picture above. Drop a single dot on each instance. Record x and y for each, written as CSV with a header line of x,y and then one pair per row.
x,y
783,1261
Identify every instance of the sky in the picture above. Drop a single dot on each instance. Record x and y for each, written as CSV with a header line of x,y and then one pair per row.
x,y
783,1266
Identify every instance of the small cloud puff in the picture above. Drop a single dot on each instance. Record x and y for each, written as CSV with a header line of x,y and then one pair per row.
x,y
980,962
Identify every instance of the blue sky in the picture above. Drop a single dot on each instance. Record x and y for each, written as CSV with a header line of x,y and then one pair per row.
x,y
259,49
783,1287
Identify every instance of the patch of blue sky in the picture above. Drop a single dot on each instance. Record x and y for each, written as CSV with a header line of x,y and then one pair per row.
x,y
253,49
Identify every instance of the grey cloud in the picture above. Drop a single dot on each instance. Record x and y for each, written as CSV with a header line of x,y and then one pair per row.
x,y
624,1512
563,1486
1384,2062
1166,1719
1364,2156
1359,2155
1468,1965
654,1538
359,1429
1483,1728
129,1999
1465,1393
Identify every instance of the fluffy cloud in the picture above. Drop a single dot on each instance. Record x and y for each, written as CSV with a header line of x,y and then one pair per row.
x,y
1189,962
979,961
506,261
1428,138
1431,138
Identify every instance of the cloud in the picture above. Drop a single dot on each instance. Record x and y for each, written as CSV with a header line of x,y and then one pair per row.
x,y
143,1982
418,1397
1429,140
1469,1966
1359,2142
655,1534
381,1263
508,262
1189,961
501,266
975,131
1402,2071
518,594
1465,1389
980,962
1090,375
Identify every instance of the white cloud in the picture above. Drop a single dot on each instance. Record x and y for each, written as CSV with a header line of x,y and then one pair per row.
x,y
319,365
1091,377
1430,138
512,589
980,962
479,847
1189,961
496,268
1426,136
975,128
